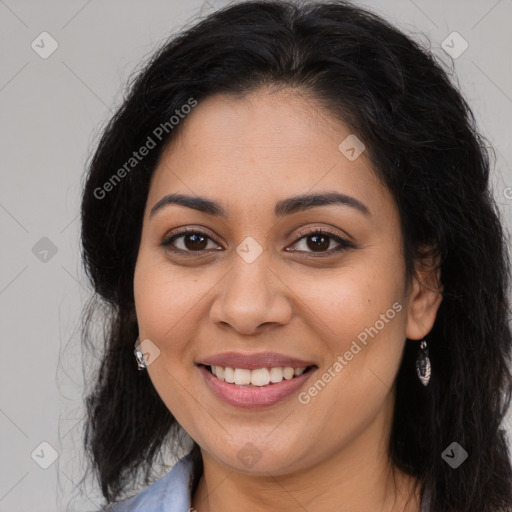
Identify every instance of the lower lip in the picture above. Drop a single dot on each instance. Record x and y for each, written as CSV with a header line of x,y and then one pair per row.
x,y
255,396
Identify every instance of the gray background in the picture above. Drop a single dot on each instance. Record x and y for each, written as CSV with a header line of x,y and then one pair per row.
x,y
52,111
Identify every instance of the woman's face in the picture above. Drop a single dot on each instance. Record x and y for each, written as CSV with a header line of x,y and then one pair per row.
x,y
254,289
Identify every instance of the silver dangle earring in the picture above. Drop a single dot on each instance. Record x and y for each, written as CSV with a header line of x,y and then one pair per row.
x,y
423,367
141,364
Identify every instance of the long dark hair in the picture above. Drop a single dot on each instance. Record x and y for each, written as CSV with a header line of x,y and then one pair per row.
x,y
421,138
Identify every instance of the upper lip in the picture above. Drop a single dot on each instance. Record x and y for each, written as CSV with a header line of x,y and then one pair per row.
x,y
254,361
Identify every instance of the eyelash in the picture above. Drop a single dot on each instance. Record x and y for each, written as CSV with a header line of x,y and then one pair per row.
x,y
343,244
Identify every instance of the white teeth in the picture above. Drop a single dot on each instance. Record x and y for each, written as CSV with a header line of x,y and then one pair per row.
x,y
288,373
258,377
242,377
229,375
276,374
219,371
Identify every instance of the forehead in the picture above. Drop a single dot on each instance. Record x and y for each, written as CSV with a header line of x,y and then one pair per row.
x,y
265,145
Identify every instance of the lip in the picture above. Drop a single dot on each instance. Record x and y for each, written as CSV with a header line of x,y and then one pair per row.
x,y
254,361
253,397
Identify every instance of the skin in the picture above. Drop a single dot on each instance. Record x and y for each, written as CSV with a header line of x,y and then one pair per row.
x,y
327,454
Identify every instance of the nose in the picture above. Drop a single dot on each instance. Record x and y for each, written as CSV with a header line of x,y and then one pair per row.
x,y
252,297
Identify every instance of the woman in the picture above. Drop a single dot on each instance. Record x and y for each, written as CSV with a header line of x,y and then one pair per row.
x,y
291,222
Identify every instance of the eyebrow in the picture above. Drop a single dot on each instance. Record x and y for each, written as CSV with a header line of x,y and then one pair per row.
x,y
284,207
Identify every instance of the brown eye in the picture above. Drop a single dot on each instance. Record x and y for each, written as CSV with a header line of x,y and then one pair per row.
x,y
319,241
195,242
188,242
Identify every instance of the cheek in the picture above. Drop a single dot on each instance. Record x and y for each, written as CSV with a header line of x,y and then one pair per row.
x,y
358,314
362,322
167,304
348,301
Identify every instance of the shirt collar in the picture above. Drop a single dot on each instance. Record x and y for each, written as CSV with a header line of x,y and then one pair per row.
x,y
170,493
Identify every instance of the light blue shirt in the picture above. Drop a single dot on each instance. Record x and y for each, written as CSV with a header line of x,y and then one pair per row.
x,y
171,493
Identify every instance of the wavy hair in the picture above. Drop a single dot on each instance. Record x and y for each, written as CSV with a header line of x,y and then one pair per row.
x,y
423,143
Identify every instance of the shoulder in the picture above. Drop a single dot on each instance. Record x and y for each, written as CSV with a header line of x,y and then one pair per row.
x,y
170,493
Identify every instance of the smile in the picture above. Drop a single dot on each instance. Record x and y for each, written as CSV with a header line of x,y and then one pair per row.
x,y
256,388
258,377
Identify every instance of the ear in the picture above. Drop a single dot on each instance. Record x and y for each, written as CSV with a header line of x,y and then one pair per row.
x,y
424,299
